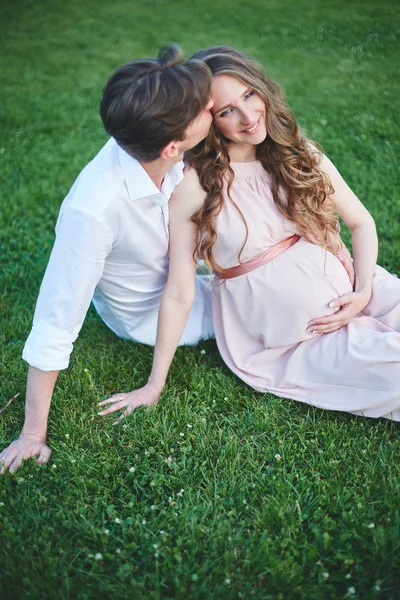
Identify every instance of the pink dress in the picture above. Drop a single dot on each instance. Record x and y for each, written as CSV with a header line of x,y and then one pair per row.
x,y
261,317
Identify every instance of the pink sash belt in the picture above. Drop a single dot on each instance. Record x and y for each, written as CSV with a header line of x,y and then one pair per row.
x,y
262,259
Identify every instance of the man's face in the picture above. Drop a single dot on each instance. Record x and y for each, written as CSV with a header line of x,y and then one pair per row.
x,y
199,129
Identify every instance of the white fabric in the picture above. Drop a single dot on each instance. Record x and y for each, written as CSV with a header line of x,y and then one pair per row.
x,y
111,247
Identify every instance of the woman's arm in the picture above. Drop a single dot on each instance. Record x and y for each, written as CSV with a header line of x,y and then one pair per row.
x,y
176,301
365,252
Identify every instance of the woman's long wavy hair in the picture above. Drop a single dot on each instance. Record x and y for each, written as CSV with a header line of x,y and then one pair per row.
x,y
299,187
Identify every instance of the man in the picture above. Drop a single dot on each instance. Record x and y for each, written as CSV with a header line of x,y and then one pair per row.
x,y
112,231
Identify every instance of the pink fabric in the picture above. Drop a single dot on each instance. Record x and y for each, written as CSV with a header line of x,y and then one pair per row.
x,y
344,256
261,318
261,259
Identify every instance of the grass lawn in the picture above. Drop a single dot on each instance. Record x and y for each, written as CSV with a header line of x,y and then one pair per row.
x,y
219,493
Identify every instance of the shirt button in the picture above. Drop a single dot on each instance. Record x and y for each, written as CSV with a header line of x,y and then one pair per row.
x,y
159,199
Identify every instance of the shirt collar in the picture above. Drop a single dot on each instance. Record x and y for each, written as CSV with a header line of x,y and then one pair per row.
x,y
140,185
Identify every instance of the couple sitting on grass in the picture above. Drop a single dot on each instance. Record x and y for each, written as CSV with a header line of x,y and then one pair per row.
x,y
259,203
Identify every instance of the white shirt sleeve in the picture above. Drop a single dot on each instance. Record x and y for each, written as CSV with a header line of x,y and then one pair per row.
x,y
75,267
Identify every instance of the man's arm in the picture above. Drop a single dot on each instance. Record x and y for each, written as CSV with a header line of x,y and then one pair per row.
x,y
32,439
75,267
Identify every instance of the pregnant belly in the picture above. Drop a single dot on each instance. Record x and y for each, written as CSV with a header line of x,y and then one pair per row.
x,y
276,301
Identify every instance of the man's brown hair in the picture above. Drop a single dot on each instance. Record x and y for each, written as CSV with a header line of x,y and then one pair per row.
x,y
148,103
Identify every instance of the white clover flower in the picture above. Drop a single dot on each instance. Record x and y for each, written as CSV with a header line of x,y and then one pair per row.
x,y
351,591
189,425
116,520
348,576
132,470
98,556
227,581
144,522
180,493
107,531
323,121
155,546
202,351
226,398
73,460
277,457
182,434
67,435
54,466
377,588
156,555
118,551
325,575
153,507
371,525
1,504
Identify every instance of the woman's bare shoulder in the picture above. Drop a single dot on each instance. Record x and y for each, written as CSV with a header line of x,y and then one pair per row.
x,y
189,192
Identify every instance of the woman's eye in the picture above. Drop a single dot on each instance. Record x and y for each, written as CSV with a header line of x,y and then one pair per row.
x,y
249,95
226,112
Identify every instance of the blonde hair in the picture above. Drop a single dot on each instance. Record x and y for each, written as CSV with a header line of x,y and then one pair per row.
x,y
299,187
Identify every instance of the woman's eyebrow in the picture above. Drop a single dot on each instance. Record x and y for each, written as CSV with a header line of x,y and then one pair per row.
x,y
214,110
217,110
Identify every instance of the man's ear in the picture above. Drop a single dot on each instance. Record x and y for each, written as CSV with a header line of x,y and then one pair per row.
x,y
169,151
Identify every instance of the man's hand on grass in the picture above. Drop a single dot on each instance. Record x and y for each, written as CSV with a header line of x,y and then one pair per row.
x,y
26,446
145,396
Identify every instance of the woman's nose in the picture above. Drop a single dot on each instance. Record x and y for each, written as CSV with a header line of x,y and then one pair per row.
x,y
245,117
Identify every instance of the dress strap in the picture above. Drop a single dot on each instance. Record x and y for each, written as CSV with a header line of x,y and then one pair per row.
x,y
262,259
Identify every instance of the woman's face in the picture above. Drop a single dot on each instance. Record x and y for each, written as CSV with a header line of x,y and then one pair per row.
x,y
238,111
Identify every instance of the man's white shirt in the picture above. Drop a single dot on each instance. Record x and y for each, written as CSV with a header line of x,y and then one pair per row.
x,y
111,247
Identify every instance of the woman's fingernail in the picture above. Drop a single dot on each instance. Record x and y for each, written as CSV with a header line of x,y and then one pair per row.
x,y
332,304
310,330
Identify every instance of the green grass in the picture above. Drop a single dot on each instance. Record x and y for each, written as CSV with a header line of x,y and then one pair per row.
x,y
280,500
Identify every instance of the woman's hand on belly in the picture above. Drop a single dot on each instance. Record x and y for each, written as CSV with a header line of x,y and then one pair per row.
x,y
349,306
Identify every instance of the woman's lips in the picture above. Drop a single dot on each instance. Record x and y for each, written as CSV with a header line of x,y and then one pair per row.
x,y
253,129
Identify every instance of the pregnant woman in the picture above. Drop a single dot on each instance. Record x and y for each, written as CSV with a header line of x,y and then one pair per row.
x,y
259,203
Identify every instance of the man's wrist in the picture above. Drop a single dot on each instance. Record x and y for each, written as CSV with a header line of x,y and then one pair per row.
x,y
29,433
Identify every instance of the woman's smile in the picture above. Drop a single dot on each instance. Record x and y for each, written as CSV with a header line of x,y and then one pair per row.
x,y
254,128
239,113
